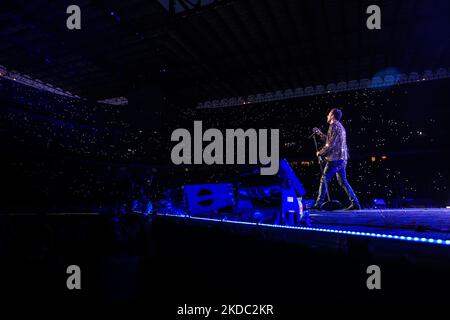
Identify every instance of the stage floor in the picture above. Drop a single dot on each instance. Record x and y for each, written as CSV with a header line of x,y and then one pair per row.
x,y
420,222
429,226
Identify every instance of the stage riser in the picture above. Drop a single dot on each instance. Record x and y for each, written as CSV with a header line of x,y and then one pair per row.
x,y
385,250
289,264
248,263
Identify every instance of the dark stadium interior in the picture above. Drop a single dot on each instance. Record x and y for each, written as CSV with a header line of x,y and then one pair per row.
x,y
231,49
65,150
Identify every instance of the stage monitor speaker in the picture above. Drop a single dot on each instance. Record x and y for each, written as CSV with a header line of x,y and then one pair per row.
x,y
292,192
202,198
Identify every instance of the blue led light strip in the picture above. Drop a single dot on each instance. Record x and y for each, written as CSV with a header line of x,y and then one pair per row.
x,y
327,230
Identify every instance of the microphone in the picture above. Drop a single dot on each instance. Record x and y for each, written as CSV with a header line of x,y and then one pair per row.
x,y
315,131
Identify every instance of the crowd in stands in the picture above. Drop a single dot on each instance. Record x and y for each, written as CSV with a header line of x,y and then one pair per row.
x,y
50,123
396,136
87,155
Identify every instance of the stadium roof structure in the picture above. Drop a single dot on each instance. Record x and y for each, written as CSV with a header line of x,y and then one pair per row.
x,y
213,49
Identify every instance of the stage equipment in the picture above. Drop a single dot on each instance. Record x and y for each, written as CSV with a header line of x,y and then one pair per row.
x,y
208,198
281,194
330,204
378,204
292,192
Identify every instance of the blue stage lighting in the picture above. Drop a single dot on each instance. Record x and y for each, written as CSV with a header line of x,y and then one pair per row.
x,y
337,231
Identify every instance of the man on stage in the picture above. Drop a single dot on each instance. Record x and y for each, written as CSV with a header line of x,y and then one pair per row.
x,y
336,153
